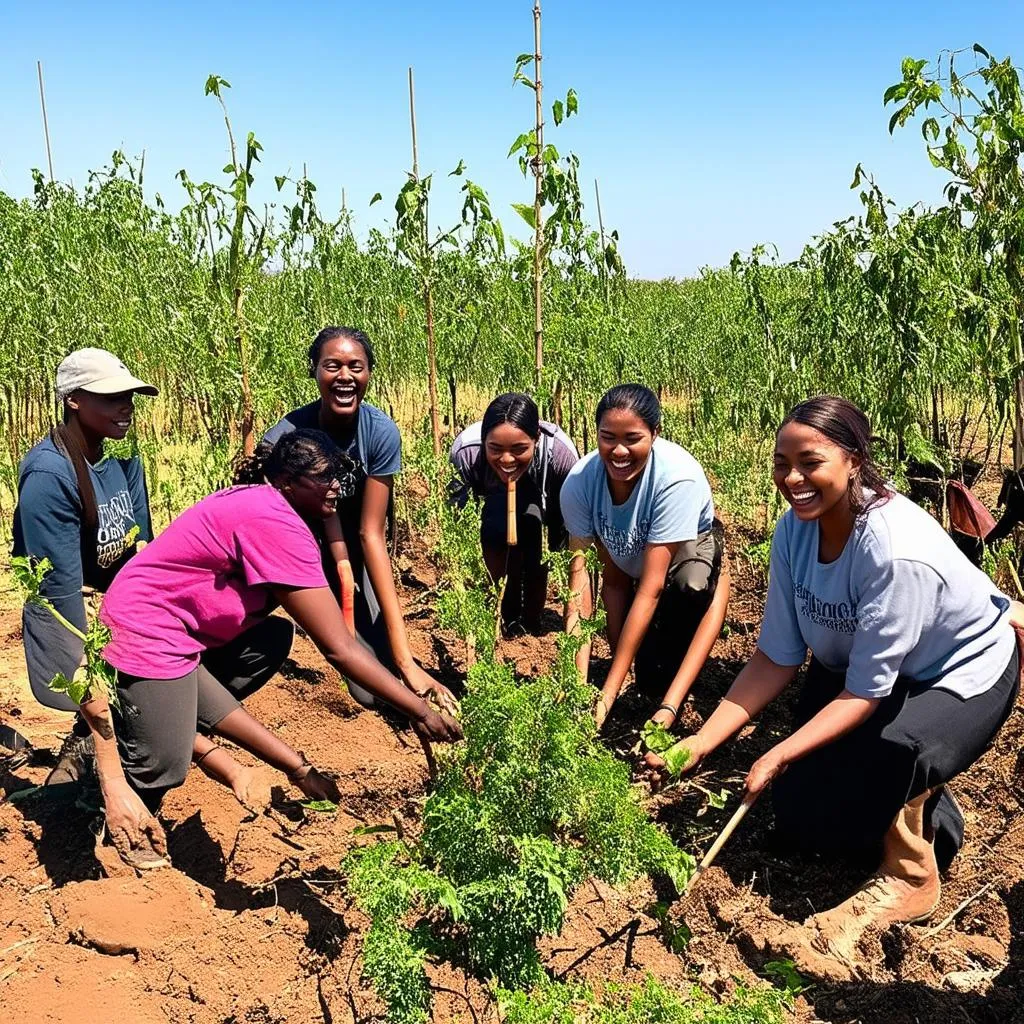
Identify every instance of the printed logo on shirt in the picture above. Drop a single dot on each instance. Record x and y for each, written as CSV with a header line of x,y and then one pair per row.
x,y
116,519
624,544
839,616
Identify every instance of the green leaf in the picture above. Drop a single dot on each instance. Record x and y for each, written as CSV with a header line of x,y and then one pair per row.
x,y
280,179
521,142
718,800
75,689
458,170
526,211
377,197
572,104
978,48
558,112
370,830
320,806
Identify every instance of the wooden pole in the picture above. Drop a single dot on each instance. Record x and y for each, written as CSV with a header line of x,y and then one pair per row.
x,y
538,197
600,224
748,801
428,298
46,126
511,529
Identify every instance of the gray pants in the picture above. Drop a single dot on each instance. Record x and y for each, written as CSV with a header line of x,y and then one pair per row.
x,y
689,588
160,717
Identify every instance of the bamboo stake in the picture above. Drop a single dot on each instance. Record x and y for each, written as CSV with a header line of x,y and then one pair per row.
x,y
748,801
600,224
46,126
538,197
428,297
511,529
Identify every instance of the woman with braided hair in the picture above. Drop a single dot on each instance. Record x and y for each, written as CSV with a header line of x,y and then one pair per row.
x,y
192,637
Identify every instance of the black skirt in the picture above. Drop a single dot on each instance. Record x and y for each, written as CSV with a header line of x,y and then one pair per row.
x,y
841,799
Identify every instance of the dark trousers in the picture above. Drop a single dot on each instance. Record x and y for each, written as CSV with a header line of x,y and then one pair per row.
x,y
159,718
841,799
689,587
526,587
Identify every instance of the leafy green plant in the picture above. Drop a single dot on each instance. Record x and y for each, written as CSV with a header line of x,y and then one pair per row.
x,y
786,977
657,739
97,677
554,1003
522,812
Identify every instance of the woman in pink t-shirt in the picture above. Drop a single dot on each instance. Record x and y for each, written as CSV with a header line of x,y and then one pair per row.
x,y
191,637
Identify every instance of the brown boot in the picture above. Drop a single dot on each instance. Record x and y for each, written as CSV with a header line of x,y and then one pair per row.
x,y
904,890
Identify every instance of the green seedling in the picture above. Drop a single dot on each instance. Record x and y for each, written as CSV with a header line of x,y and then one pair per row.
x,y
784,975
320,806
97,678
658,740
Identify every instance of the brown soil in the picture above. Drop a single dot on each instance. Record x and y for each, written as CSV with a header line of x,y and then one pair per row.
x,y
252,924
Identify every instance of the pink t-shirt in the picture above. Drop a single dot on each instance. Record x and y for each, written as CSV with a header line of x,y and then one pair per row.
x,y
206,579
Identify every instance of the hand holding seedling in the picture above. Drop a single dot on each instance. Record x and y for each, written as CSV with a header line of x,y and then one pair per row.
x,y
437,727
666,759
433,692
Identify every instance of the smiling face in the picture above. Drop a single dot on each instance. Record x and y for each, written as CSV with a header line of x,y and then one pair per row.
x,y
102,416
624,444
342,374
813,473
509,451
314,494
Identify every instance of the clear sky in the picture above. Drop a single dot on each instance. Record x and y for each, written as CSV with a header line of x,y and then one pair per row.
x,y
710,127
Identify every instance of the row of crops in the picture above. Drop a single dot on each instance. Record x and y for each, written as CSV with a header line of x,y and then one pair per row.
x,y
914,314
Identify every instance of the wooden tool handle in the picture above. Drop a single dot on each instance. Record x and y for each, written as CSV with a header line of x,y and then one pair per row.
x,y
348,594
748,801
511,534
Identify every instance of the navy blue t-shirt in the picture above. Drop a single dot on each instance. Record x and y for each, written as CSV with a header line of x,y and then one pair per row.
x,y
48,524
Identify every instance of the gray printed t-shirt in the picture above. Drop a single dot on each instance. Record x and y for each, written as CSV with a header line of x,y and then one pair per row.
x,y
670,503
901,600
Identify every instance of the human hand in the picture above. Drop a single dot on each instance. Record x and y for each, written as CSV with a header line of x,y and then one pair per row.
x,y
136,834
664,716
436,726
656,766
602,709
764,769
429,689
316,786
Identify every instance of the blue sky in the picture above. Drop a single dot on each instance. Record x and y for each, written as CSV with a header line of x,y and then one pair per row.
x,y
711,128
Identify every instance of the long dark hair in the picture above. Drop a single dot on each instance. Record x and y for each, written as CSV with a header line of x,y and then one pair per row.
x,y
332,334
846,426
70,444
635,398
516,408
294,454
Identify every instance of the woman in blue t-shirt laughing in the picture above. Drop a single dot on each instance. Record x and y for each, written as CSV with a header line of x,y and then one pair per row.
x,y
646,505
914,669
341,362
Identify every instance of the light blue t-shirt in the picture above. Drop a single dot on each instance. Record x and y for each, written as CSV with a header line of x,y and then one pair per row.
x,y
670,503
901,600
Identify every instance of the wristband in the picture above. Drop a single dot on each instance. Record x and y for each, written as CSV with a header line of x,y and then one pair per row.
x,y
668,707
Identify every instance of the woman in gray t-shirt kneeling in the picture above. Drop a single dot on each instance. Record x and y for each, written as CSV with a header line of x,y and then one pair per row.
x,y
646,505
914,669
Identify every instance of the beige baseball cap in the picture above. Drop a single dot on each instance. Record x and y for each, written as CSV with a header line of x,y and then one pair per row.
x,y
98,371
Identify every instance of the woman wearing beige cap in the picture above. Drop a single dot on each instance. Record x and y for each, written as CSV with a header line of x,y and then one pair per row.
x,y
85,513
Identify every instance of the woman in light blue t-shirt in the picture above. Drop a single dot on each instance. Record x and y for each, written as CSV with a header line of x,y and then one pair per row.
x,y
914,670
646,505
